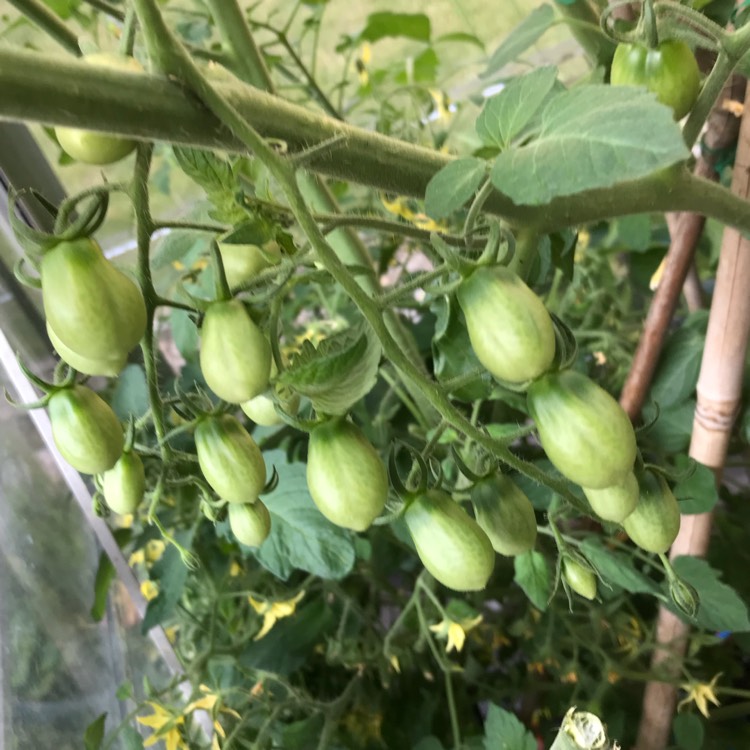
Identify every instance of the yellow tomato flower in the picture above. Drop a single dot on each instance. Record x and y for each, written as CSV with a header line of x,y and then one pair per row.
x,y
273,611
702,693
235,569
166,726
455,632
150,590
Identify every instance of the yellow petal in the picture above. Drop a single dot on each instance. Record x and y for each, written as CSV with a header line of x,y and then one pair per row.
x,y
259,607
269,620
456,637
395,663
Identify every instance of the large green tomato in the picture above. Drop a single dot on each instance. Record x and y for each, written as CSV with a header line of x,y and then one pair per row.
x,y
250,522
346,477
92,147
93,310
505,514
85,429
510,330
235,356
449,542
584,431
617,502
229,458
124,484
669,70
109,366
655,523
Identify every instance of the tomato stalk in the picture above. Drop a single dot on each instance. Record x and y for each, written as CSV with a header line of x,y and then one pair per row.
x,y
50,22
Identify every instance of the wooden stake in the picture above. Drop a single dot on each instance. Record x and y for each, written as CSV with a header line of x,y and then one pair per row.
x,y
719,387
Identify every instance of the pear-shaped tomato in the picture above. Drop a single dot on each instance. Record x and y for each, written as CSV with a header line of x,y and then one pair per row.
x,y
510,330
250,522
262,409
229,458
449,542
92,147
85,429
242,263
616,502
655,522
579,578
94,310
124,484
505,514
346,477
583,430
235,356
109,366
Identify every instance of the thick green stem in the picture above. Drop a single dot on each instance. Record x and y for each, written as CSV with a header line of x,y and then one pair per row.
x,y
38,13
68,92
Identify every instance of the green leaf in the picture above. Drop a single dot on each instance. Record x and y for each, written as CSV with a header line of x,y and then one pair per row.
x,y
211,172
184,334
63,8
171,573
460,37
453,185
451,350
697,493
532,575
429,743
105,574
520,39
672,430
341,371
94,734
301,537
180,247
680,362
382,25
296,736
505,115
131,393
720,608
124,691
590,137
689,731
503,731
617,568
130,739
291,640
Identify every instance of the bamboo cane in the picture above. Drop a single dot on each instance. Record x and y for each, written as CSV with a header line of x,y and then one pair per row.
x,y
719,386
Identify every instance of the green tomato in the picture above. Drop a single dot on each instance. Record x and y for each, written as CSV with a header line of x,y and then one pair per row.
x,y
505,514
235,356
93,147
85,429
655,523
244,262
510,330
250,522
579,579
449,542
616,502
346,477
124,484
262,409
109,367
229,458
669,70
584,431
94,310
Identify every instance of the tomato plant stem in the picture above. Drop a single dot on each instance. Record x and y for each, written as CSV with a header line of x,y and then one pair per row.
x,y
50,22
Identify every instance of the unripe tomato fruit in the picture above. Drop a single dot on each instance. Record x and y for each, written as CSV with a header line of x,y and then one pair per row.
x,y
235,356
94,310
669,70
346,477
229,458
93,147
262,410
510,330
449,542
244,262
655,523
85,429
616,502
109,367
505,514
250,522
583,430
124,484
580,579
